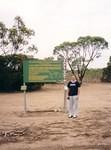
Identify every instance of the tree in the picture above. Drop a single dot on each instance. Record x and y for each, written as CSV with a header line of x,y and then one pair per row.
x,y
107,72
14,43
16,39
3,38
81,53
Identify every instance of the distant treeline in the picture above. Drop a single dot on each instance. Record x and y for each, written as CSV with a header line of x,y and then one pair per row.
x,y
95,75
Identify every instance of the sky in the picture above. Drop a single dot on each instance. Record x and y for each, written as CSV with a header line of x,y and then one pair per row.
x,y
57,21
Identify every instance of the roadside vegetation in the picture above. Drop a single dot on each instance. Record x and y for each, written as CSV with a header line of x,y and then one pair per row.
x,y
15,47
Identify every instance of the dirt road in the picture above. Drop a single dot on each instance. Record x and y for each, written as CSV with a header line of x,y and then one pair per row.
x,y
43,129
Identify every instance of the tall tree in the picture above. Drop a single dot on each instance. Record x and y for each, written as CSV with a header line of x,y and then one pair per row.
x,y
3,38
81,53
16,39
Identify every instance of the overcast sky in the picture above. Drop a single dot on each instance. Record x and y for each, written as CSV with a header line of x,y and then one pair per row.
x,y
56,21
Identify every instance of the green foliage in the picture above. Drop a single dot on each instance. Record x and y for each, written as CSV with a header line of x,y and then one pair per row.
x,y
15,40
106,77
93,75
11,73
3,38
96,42
79,54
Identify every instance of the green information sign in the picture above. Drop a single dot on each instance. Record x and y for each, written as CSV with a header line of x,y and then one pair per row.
x,y
42,71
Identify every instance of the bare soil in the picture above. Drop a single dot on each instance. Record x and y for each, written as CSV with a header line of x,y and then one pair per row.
x,y
46,127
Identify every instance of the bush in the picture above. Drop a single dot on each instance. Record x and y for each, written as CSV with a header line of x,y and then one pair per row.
x,y
106,74
106,77
11,74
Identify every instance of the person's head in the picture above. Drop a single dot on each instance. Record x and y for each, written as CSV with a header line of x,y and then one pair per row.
x,y
73,78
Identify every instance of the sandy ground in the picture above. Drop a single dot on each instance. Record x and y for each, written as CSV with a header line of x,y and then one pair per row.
x,y
43,129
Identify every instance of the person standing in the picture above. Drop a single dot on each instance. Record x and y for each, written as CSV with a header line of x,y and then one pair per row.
x,y
73,95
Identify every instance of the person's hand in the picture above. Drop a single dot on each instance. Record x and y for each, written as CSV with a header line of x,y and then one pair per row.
x,y
68,97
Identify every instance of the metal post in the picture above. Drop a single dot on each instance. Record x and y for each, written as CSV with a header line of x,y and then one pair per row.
x,y
25,103
65,85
